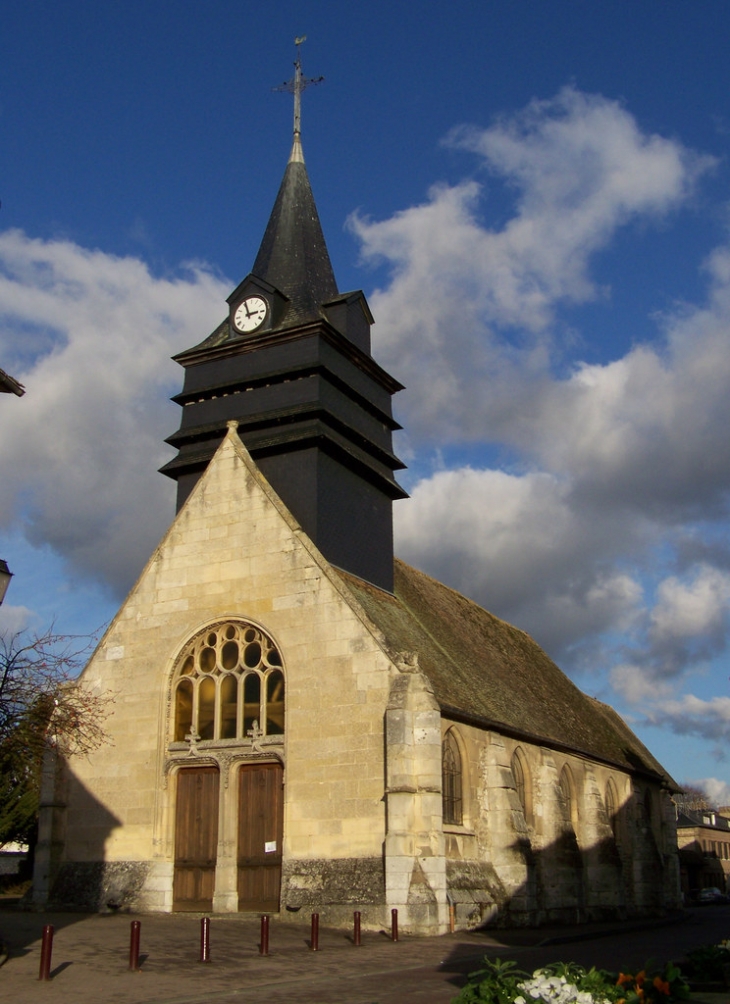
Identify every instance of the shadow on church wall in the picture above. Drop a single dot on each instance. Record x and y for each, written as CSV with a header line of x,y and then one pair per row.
x,y
568,884
70,889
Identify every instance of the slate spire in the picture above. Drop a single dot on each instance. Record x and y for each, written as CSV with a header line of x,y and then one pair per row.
x,y
293,256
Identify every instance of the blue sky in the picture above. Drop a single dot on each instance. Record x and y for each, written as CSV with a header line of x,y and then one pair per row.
x,y
534,197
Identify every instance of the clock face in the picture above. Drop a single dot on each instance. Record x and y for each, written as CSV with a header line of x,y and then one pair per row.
x,y
250,314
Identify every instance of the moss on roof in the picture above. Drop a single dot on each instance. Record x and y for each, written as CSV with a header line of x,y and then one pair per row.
x,y
489,672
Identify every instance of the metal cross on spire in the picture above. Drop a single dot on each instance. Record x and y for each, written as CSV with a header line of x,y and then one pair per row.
x,y
296,85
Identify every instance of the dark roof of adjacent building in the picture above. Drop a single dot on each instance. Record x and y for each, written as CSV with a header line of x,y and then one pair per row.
x,y
707,818
293,256
490,674
8,385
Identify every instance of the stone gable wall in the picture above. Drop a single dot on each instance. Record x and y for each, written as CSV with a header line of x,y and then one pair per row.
x,y
235,552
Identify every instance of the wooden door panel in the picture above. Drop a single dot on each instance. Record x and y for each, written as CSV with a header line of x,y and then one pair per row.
x,y
196,838
260,832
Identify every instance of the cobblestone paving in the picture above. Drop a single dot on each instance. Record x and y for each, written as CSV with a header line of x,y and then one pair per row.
x,y
90,959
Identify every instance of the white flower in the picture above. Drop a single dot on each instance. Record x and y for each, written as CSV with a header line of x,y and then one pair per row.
x,y
554,990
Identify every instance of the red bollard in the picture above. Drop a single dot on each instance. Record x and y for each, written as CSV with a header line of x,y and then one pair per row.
x,y
356,939
264,946
205,939
394,924
134,947
46,951
315,932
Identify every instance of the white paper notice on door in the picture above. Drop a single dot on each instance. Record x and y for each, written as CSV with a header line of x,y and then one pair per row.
x,y
270,847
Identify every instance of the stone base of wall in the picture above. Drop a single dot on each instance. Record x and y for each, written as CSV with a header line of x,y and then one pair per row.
x,y
480,900
476,894
99,886
334,889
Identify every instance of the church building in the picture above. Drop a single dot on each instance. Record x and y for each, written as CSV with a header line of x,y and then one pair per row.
x,y
302,722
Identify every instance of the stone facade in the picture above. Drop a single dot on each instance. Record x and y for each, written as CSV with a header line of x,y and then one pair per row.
x,y
703,837
524,854
534,831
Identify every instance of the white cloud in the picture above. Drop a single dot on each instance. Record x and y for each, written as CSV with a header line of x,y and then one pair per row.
x,y
648,430
635,686
686,609
464,321
694,716
718,791
615,465
515,543
13,620
91,335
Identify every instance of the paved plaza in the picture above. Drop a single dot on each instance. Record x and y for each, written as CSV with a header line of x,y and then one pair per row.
x,y
91,954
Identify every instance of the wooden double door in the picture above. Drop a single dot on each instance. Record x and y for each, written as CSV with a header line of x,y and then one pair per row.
x,y
259,837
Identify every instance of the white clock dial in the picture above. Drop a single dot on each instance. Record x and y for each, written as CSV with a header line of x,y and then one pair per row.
x,y
250,313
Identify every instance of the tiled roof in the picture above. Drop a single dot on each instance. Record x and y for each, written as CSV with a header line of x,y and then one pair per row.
x,y
490,673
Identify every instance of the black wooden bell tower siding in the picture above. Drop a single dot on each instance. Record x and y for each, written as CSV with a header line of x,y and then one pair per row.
x,y
313,407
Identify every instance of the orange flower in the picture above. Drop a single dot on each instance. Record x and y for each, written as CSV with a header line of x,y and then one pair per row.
x,y
661,985
623,978
640,977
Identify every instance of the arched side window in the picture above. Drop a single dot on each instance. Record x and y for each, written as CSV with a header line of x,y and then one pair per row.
x,y
650,817
567,797
613,811
226,679
648,809
523,784
451,781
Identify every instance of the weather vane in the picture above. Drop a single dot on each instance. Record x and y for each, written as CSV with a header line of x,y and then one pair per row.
x,y
296,85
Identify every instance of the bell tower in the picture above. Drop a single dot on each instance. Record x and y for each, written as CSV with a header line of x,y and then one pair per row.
x,y
291,363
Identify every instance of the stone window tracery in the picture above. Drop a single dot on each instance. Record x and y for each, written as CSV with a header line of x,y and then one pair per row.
x,y
228,684
451,781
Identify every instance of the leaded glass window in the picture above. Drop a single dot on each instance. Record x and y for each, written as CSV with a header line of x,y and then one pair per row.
x,y
567,799
523,786
451,780
229,684
613,812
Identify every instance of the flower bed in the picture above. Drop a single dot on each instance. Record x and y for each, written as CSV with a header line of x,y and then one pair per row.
x,y
567,983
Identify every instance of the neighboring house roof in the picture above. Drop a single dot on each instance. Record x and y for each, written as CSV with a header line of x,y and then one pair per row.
x,y
708,819
487,673
10,386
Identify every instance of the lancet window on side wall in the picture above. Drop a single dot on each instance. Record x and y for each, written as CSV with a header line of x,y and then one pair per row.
x,y
568,807
451,779
228,678
612,811
523,785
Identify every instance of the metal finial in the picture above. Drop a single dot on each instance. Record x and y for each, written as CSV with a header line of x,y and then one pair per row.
x,y
296,85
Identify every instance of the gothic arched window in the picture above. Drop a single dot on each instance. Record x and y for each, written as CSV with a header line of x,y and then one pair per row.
x,y
568,807
613,812
228,678
523,786
451,780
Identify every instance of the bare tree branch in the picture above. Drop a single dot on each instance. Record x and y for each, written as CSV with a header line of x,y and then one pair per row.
x,y
41,703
